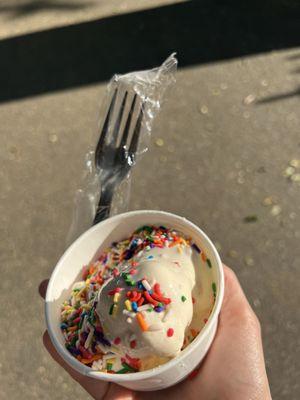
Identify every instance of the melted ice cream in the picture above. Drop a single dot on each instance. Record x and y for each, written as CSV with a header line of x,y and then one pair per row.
x,y
175,272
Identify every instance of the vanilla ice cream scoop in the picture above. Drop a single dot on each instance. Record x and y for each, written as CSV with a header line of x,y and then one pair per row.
x,y
145,310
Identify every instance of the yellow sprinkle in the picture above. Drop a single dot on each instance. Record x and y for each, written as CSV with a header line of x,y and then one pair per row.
x,y
87,281
116,297
114,311
179,248
128,305
80,292
72,328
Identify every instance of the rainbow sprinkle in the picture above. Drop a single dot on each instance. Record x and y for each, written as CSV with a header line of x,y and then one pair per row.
x,y
80,324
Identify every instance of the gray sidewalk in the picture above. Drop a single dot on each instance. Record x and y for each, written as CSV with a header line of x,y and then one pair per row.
x,y
229,134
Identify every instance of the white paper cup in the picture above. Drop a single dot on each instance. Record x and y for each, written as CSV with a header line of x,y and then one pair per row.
x,y
88,247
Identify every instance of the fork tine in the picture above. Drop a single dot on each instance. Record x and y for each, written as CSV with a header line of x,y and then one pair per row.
x,y
118,120
104,130
136,133
128,123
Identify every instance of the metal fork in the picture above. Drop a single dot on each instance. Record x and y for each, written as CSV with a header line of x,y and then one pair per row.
x,y
114,158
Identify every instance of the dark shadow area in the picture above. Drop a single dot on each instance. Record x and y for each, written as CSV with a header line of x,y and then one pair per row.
x,y
200,31
294,57
277,97
34,6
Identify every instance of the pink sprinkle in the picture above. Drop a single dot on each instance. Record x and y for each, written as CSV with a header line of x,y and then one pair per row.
x,y
117,340
114,291
85,353
133,272
133,344
85,272
116,272
170,332
205,320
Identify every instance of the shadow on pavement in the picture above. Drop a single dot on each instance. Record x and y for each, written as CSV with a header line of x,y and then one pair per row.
x,y
200,31
294,56
281,96
34,6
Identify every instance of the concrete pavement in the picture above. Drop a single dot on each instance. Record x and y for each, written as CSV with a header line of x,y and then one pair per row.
x,y
229,140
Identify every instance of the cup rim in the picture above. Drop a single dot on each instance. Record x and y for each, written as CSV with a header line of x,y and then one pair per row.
x,y
137,376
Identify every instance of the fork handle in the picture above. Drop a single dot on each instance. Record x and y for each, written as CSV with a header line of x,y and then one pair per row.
x,y
104,205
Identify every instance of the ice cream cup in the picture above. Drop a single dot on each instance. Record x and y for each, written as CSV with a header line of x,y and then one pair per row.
x,y
87,248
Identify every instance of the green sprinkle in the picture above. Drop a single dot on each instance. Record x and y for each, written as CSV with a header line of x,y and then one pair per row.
x,y
160,304
150,239
127,279
139,229
144,228
109,366
111,310
208,262
73,341
250,219
150,309
92,317
122,371
128,367
130,282
76,290
214,287
80,323
183,299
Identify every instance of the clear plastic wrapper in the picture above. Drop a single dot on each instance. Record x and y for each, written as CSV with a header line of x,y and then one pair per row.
x,y
150,87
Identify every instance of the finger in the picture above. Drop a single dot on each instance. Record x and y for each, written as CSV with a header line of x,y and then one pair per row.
x,y
234,296
236,310
117,392
97,389
43,288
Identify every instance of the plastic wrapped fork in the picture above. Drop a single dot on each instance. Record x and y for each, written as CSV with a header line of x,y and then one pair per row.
x,y
145,91
116,148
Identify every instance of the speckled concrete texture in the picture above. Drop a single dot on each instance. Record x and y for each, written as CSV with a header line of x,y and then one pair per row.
x,y
224,153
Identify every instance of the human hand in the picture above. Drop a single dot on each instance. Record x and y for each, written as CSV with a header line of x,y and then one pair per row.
x,y
233,369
